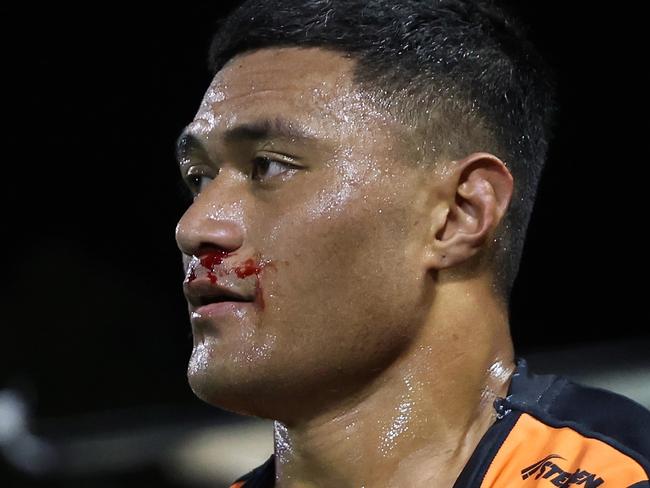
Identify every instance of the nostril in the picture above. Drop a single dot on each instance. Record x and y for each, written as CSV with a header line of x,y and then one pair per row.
x,y
198,232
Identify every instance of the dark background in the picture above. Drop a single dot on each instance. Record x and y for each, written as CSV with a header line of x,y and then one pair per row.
x,y
93,315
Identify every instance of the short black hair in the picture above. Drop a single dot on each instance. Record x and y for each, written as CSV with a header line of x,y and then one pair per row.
x,y
464,72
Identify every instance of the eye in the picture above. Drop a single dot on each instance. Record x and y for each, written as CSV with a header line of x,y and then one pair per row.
x,y
197,182
263,164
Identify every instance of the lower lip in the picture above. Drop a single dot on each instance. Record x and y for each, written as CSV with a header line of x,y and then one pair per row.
x,y
220,309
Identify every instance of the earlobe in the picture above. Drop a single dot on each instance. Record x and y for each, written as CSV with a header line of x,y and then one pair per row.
x,y
479,190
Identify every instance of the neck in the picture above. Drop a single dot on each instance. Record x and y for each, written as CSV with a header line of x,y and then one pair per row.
x,y
418,423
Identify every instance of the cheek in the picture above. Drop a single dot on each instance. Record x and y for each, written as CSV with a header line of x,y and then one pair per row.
x,y
318,235
343,282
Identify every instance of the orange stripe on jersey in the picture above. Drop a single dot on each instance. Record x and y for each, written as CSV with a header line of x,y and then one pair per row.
x,y
536,455
237,484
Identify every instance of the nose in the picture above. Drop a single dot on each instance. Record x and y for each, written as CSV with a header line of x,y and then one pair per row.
x,y
198,229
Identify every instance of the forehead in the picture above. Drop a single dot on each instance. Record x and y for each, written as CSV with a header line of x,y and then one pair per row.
x,y
289,68
312,86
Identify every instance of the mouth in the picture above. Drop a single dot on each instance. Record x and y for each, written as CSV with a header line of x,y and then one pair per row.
x,y
205,300
202,292
213,288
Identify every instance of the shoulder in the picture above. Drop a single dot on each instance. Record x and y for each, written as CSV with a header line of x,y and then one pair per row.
x,y
616,418
596,412
564,432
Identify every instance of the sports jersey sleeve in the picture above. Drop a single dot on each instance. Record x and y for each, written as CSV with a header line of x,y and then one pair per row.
x,y
538,455
554,432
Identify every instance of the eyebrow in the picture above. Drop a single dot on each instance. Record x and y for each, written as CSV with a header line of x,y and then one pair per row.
x,y
255,131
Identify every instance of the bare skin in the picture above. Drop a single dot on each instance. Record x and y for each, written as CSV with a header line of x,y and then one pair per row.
x,y
378,362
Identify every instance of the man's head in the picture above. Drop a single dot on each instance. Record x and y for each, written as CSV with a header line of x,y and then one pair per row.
x,y
462,73
391,132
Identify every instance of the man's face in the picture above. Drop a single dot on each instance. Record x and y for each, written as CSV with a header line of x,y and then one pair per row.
x,y
331,233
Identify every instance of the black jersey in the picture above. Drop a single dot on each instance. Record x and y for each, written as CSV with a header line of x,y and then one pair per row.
x,y
550,432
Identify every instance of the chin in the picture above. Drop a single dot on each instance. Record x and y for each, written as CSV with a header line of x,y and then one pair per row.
x,y
221,386
250,396
212,391
231,397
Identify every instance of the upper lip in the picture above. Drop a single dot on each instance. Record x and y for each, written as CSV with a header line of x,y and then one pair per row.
x,y
202,291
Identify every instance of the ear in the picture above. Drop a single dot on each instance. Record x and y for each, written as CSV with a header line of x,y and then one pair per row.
x,y
475,195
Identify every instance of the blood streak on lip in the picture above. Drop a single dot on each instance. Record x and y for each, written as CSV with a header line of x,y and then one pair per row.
x,y
215,258
210,260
